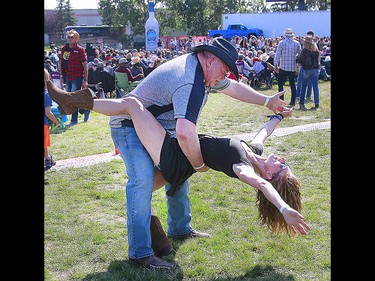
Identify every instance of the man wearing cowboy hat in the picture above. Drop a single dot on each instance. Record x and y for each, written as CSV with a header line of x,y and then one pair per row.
x,y
73,68
175,93
285,63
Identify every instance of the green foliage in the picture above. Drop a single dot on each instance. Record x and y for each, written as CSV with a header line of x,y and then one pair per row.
x,y
195,16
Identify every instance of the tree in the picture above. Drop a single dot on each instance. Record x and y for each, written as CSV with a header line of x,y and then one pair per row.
x,y
195,16
57,20
51,22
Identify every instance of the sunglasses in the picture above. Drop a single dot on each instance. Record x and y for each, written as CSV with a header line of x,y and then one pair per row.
x,y
283,166
70,37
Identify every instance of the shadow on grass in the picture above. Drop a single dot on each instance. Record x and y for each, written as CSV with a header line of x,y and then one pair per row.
x,y
122,270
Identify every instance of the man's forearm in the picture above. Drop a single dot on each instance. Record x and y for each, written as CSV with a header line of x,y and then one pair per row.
x,y
192,150
245,93
188,140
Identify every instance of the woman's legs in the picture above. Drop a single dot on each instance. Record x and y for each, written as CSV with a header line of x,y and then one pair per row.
x,y
314,82
148,129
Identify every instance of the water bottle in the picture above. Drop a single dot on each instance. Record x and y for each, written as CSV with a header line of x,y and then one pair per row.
x,y
152,29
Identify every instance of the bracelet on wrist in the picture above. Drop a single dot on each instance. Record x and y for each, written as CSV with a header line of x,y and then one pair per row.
x,y
200,167
266,101
282,208
278,116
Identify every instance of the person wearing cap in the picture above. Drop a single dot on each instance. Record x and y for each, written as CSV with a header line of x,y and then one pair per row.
x,y
55,58
176,91
285,63
243,67
271,57
73,68
136,69
123,68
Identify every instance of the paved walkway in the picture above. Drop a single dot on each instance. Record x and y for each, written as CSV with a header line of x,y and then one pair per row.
x,y
105,157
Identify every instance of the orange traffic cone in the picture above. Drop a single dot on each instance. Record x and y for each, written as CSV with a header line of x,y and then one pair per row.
x,y
116,151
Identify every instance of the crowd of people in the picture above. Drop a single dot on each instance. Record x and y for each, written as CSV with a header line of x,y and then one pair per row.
x,y
154,128
256,63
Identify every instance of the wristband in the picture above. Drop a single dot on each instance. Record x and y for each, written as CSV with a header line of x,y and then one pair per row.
x,y
266,101
278,116
200,167
282,208
282,117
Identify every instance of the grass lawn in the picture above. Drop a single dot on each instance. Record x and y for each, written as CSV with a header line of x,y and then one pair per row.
x,y
85,222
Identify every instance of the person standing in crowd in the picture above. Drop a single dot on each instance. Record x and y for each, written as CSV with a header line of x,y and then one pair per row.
x,y
48,115
299,78
55,58
177,90
285,63
311,62
74,72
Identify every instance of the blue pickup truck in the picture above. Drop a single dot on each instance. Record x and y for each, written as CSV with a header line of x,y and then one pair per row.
x,y
238,29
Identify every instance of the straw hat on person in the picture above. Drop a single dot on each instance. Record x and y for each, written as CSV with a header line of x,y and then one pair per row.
x,y
136,59
289,32
224,50
308,39
264,57
73,33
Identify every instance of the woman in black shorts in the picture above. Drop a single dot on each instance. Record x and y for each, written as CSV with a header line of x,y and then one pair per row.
x,y
278,190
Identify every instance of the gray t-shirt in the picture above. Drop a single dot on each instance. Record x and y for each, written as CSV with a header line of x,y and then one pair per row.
x,y
180,82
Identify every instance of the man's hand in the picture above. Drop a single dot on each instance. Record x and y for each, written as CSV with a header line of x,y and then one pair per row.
x,y
275,103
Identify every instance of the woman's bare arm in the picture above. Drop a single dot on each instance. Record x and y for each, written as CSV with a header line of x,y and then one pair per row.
x,y
266,130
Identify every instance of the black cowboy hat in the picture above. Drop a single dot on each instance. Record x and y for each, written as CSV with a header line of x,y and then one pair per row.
x,y
223,49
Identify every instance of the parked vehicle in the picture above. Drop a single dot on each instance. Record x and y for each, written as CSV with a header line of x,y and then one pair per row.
x,y
237,29
274,24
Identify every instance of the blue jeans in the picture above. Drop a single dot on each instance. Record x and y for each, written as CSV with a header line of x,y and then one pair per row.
x,y
313,76
282,76
299,85
140,171
72,86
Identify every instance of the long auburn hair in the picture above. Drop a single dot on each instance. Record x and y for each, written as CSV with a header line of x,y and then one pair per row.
x,y
310,45
289,188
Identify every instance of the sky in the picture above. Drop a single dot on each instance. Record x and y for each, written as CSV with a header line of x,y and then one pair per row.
x,y
75,4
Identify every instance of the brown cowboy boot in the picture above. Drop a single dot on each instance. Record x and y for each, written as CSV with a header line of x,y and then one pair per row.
x,y
159,240
69,102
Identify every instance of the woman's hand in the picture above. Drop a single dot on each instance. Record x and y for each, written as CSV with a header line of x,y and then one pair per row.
x,y
275,103
286,111
295,221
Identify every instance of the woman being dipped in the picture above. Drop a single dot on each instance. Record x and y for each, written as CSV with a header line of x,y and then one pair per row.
x,y
278,190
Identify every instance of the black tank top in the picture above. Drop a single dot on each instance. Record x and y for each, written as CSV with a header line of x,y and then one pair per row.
x,y
221,153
